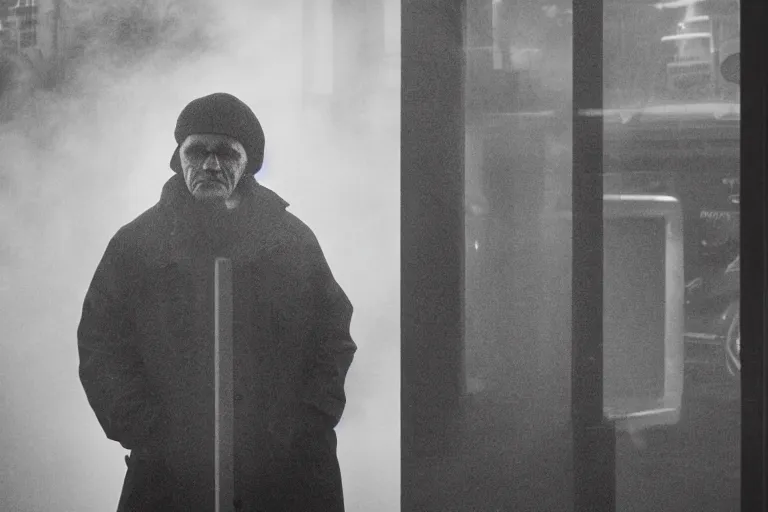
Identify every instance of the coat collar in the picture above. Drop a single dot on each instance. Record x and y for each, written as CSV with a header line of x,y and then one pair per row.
x,y
254,195
220,231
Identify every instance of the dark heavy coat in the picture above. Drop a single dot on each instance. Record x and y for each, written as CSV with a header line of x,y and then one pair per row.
x,y
146,354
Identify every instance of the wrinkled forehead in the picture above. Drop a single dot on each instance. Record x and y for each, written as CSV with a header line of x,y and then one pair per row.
x,y
213,140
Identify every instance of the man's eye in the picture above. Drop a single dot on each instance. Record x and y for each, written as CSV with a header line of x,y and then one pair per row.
x,y
227,153
195,152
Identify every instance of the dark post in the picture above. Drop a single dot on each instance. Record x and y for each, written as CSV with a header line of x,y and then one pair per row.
x,y
223,369
432,213
754,223
593,436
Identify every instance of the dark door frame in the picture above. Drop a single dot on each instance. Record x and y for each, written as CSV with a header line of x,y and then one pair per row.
x,y
594,438
754,223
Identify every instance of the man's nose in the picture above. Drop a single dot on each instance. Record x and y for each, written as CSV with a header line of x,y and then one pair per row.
x,y
212,163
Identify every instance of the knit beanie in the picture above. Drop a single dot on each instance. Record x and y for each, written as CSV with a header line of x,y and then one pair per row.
x,y
223,114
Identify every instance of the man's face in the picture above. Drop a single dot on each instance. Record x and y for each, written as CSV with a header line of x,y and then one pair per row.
x,y
212,165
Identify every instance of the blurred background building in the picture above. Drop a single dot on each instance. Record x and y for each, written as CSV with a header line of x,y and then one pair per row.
x,y
38,37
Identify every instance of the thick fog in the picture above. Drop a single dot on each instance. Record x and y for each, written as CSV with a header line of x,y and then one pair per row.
x,y
79,162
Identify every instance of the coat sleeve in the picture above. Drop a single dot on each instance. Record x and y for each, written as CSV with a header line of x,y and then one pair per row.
x,y
332,346
111,371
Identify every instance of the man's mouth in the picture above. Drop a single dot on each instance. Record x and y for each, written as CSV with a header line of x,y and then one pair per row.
x,y
211,180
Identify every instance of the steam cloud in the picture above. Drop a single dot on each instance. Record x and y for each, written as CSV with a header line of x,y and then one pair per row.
x,y
85,158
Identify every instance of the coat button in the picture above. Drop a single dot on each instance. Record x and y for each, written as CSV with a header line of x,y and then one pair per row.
x,y
238,397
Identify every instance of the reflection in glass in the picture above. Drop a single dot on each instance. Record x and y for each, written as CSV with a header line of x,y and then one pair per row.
x,y
671,223
672,131
517,295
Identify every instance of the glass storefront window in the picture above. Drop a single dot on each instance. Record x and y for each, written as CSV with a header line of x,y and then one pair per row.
x,y
670,272
675,138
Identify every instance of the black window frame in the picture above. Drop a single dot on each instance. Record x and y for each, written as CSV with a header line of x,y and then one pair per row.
x,y
754,223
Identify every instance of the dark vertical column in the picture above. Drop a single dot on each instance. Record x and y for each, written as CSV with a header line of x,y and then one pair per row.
x,y
754,223
593,437
223,368
432,230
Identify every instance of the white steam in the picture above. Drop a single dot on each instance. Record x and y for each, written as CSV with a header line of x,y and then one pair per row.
x,y
79,162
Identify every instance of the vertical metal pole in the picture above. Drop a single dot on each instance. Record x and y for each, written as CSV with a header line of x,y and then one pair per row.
x,y
594,451
224,408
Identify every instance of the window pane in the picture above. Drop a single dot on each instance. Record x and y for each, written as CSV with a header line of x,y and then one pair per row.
x,y
671,245
518,260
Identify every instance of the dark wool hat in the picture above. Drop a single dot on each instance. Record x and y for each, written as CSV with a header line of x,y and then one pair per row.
x,y
222,114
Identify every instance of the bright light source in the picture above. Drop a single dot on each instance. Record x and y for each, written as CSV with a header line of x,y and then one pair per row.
x,y
676,4
695,19
692,35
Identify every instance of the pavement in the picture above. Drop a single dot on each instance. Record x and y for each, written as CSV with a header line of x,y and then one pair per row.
x,y
492,466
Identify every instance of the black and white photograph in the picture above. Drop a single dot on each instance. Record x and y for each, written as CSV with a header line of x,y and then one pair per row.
x,y
383,255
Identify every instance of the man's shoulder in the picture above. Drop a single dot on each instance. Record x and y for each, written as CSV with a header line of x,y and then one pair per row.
x,y
298,229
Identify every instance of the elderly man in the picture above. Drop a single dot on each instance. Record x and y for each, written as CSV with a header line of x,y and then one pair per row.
x,y
145,338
